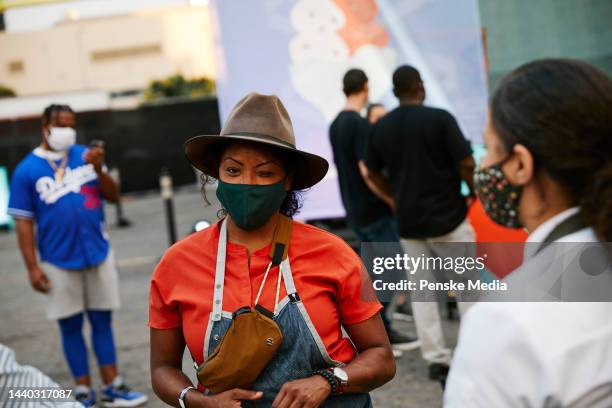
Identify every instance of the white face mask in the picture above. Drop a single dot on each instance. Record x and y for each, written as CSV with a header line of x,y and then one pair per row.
x,y
61,138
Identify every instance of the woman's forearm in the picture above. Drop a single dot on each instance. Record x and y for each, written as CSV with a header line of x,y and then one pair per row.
x,y
168,382
370,369
167,378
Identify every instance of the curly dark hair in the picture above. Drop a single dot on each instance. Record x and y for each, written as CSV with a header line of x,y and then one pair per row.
x,y
290,206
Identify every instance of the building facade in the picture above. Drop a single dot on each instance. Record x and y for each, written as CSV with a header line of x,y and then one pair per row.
x,y
114,54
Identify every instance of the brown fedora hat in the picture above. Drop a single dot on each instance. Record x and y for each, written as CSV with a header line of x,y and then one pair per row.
x,y
260,119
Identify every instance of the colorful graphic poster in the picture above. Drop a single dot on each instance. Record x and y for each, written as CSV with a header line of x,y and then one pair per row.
x,y
300,49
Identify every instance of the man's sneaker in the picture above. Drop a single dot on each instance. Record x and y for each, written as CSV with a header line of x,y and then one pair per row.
x,y
402,342
403,312
438,372
85,396
118,394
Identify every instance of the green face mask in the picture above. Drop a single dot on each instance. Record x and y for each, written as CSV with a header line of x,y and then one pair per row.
x,y
251,205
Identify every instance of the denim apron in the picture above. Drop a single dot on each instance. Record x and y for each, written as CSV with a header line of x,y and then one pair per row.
x,y
301,352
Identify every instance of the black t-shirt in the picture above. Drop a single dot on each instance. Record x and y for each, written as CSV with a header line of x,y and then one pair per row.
x,y
420,148
348,135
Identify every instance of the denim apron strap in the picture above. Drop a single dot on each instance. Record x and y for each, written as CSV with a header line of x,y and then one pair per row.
x,y
217,308
295,299
219,273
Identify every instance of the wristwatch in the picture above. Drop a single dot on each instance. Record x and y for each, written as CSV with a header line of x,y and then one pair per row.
x,y
341,379
183,394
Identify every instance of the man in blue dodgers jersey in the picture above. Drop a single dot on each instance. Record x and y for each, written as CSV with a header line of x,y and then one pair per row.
x,y
59,187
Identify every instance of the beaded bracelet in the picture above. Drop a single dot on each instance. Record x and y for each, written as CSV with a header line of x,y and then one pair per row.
x,y
329,376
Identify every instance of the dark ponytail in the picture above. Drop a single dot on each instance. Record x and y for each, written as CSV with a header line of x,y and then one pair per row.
x,y
561,111
598,206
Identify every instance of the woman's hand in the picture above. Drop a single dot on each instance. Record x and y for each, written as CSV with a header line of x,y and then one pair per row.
x,y
227,399
304,393
233,398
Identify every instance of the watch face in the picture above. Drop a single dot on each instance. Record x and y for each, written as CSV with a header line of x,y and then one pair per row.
x,y
340,374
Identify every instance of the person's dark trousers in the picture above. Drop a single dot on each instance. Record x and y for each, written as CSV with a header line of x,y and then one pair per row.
x,y
382,230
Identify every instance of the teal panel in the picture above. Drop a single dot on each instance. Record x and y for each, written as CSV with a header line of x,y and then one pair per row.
x,y
4,197
519,31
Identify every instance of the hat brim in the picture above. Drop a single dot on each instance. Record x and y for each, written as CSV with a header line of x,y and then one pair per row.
x,y
308,168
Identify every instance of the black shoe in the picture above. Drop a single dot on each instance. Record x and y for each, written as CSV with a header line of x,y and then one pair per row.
x,y
439,372
403,312
452,310
405,308
402,342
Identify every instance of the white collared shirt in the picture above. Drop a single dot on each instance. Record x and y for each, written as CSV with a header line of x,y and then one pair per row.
x,y
541,232
534,354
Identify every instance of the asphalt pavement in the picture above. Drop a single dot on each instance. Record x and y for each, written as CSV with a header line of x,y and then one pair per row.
x,y
24,328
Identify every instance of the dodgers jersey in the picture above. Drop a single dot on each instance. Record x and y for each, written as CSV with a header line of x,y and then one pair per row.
x,y
68,214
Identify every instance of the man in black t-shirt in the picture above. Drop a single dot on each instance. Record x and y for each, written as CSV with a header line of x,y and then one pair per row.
x,y
367,215
424,157
348,134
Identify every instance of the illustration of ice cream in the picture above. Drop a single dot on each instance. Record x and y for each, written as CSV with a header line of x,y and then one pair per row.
x,y
316,23
361,28
332,36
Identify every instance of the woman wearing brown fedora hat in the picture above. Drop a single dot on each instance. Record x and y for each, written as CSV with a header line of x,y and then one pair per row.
x,y
257,341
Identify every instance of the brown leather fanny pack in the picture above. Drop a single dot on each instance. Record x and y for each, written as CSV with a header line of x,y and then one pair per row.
x,y
253,338
248,346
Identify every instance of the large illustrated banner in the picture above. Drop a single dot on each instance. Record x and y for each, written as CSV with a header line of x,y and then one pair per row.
x,y
300,49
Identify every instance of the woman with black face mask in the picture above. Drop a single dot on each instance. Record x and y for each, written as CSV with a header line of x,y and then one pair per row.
x,y
261,300
548,169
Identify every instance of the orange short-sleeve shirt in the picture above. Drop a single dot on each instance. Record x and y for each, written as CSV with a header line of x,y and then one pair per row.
x,y
328,275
